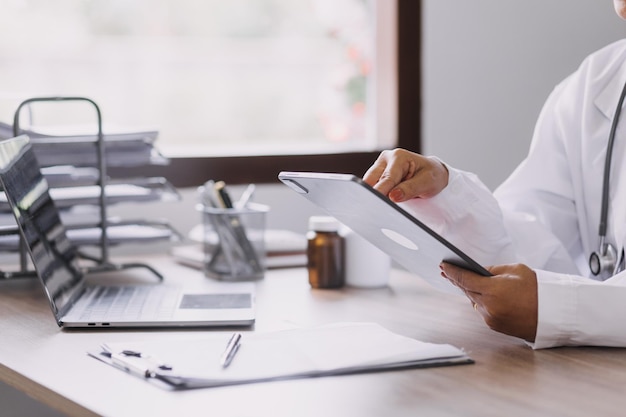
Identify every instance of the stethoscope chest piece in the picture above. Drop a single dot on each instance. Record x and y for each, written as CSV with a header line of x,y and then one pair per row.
x,y
604,261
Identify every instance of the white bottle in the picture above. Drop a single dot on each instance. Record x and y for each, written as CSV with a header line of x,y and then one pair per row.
x,y
366,265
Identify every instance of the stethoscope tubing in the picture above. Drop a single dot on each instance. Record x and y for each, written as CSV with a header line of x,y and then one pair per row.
x,y
606,257
607,167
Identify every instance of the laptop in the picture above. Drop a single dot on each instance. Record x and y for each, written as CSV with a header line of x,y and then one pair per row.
x,y
79,304
382,222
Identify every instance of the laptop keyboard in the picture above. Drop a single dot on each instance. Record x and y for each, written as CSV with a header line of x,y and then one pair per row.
x,y
111,303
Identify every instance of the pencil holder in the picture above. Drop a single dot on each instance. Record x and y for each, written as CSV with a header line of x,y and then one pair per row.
x,y
234,242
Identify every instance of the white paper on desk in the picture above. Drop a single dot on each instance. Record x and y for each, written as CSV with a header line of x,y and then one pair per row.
x,y
335,349
194,257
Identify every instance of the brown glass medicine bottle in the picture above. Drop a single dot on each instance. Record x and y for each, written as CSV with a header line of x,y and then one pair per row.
x,y
325,253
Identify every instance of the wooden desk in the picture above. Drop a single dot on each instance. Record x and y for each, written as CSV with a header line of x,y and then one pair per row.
x,y
508,378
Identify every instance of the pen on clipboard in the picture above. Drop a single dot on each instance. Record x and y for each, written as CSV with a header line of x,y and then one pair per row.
x,y
231,350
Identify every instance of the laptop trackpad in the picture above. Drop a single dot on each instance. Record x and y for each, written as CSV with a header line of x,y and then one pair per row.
x,y
216,301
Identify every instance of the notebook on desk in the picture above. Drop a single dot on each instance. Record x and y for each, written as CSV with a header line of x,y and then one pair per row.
x,y
76,303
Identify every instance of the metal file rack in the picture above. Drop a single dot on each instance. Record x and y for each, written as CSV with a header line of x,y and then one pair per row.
x,y
102,263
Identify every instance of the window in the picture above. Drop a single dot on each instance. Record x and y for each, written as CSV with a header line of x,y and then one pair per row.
x,y
224,82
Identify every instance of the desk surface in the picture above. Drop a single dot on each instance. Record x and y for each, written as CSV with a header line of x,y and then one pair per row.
x,y
508,377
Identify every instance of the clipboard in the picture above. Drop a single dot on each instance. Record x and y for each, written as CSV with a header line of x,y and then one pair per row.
x,y
334,349
384,223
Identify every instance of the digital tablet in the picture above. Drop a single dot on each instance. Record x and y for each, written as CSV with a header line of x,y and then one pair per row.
x,y
376,218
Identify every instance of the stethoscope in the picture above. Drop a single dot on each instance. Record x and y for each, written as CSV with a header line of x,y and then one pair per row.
x,y
605,259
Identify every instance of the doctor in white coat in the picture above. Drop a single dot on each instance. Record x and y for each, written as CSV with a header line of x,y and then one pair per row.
x,y
541,226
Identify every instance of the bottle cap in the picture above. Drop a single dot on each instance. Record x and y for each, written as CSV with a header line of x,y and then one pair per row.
x,y
324,224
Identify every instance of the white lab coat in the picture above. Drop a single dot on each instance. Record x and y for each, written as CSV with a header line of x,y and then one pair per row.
x,y
546,214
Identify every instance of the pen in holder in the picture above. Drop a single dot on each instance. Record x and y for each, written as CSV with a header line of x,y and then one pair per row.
x,y
234,242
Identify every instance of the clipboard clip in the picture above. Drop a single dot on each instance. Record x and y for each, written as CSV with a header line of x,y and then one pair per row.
x,y
137,363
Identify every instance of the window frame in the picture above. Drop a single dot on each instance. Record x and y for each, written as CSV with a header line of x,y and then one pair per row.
x,y
194,171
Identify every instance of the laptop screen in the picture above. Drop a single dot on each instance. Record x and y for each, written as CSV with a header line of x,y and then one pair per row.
x,y
27,192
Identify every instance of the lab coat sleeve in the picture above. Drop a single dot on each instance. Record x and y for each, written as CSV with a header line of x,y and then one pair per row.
x,y
576,311
467,214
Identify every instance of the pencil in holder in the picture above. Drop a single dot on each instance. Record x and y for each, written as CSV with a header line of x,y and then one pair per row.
x,y
234,242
